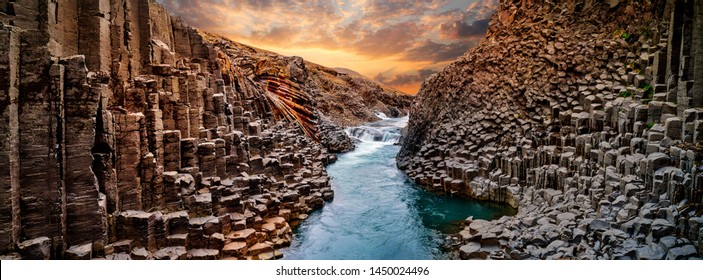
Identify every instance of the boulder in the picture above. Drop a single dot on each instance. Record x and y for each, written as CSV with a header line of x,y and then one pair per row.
x,y
79,252
35,249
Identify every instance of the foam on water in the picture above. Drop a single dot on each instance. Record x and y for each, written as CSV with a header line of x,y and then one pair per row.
x,y
381,115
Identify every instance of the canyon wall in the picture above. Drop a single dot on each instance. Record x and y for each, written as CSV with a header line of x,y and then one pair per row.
x,y
584,115
124,134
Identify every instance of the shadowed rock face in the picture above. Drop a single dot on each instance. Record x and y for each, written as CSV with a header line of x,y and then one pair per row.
x,y
125,133
583,115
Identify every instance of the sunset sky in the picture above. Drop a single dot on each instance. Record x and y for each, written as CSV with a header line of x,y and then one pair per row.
x,y
396,42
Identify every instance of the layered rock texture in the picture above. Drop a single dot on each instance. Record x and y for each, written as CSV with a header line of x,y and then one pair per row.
x,y
125,133
587,116
347,99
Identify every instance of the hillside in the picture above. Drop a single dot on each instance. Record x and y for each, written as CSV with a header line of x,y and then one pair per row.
x,y
345,99
586,116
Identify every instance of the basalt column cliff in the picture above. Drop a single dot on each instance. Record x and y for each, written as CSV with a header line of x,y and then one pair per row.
x,y
125,133
587,116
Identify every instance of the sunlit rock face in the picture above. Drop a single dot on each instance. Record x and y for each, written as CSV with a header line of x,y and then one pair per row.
x,y
583,115
125,133
343,98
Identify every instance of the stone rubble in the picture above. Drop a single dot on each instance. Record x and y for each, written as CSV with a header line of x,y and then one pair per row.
x,y
587,117
126,134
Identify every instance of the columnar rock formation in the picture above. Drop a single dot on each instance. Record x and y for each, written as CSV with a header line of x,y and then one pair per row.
x,y
586,116
124,133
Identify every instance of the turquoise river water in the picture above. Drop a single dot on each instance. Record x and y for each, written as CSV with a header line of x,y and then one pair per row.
x,y
378,213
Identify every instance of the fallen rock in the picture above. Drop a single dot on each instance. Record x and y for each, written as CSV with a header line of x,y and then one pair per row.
x,y
35,249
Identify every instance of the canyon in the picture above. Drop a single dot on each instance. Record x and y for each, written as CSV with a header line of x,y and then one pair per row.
x,y
127,134
586,116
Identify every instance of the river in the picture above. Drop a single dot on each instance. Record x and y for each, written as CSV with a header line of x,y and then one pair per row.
x,y
378,213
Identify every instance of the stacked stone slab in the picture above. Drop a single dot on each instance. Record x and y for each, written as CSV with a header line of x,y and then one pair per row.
x,y
595,141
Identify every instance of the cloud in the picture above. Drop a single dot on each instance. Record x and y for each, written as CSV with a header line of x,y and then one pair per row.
x,y
407,35
389,40
405,79
461,29
197,13
438,52
274,35
376,9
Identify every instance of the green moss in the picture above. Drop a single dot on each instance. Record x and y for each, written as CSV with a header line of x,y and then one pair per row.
x,y
648,92
625,93
625,35
650,125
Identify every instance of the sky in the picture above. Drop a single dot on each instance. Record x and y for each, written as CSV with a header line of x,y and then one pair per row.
x,y
395,42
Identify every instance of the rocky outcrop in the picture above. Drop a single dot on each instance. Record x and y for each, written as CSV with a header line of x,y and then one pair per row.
x,y
345,99
126,134
584,116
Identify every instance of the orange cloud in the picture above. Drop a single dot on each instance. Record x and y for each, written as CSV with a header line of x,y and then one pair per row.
x,y
397,42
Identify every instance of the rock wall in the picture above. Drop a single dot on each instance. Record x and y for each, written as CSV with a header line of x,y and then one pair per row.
x,y
125,134
583,115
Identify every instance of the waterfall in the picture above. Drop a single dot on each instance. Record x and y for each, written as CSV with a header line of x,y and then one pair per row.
x,y
373,134
386,131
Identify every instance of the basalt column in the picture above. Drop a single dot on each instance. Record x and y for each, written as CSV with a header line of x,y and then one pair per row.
x,y
42,192
85,209
9,138
697,49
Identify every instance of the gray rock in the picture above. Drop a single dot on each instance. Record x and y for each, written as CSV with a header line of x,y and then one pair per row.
x,y
626,251
79,252
598,224
566,216
203,254
119,257
139,254
650,252
171,253
667,242
682,253
554,246
661,228
35,249
470,250
519,255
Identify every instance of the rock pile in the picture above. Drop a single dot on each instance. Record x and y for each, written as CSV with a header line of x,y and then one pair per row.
x,y
126,134
587,117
